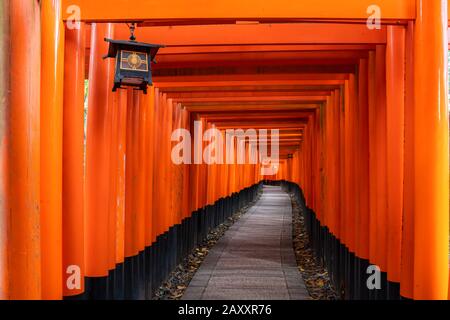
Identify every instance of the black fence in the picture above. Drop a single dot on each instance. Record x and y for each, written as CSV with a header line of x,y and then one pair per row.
x,y
139,276
347,271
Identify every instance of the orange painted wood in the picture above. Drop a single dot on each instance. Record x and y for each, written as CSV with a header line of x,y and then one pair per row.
x,y
362,158
141,170
131,176
121,178
113,189
431,154
177,170
251,10
349,213
258,34
167,196
372,100
23,150
73,160
157,171
407,253
52,79
381,158
395,122
4,127
187,205
97,155
149,158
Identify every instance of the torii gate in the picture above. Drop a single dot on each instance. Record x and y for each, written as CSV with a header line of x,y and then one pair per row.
x,y
32,43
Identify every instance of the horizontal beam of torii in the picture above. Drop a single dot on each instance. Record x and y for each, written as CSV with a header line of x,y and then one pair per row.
x,y
212,10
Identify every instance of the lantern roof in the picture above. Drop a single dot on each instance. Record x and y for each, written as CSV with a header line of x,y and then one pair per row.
x,y
114,46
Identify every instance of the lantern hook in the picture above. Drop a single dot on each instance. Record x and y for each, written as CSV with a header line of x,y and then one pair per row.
x,y
132,28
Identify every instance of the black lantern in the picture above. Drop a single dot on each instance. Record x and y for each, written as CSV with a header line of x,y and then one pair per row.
x,y
133,62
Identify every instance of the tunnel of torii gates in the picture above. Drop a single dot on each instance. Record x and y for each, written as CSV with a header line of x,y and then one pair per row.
x,y
363,128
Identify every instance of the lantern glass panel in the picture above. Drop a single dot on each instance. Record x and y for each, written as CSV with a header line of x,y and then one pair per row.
x,y
134,61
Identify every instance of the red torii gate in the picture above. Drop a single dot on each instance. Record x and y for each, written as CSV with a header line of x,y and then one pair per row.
x,y
42,166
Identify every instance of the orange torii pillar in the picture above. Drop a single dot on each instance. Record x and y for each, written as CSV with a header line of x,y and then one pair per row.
x,y
431,151
363,222
211,166
347,168
377,118
329,166
52,78
161,199
203,169
167,162
407,253
185,122
131,263
73,163
196,157
113,106
149,158
157,169
20,245
372,101
395,103
4,130
350,177
120,196
97,170
141,176
334,176
178,171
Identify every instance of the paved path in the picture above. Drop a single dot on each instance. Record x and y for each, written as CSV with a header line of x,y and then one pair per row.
x,y
254,260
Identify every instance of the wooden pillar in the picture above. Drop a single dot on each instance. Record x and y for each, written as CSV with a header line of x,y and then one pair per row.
x,y
141,170
156,168
362,137
97,156
23,149
113,106
73,163
353,164
328,166
335,161
343,156
431,172
407,254
168,162
348,167
178,172
380,158
395,104
186,207
52,78
4,130
131,184
121,162
149,146
372,158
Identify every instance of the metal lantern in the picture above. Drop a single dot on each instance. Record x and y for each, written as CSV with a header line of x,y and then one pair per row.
x,y
133,62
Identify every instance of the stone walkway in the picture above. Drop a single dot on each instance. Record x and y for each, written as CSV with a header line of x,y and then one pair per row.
x,y
254,260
